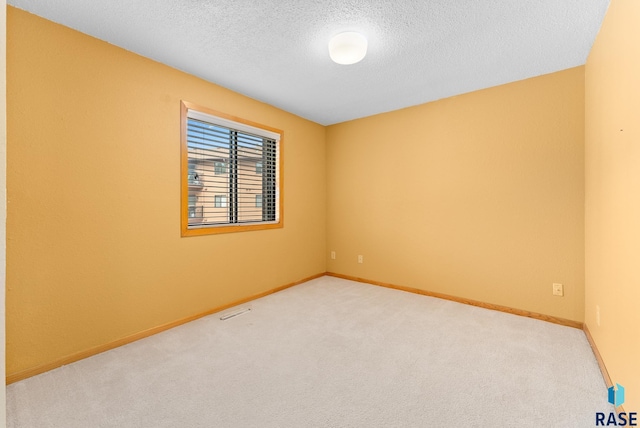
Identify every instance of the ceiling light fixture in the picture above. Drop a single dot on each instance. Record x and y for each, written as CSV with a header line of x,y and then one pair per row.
x,y
347,48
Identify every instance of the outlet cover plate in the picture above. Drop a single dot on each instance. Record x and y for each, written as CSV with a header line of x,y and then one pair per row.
x,y
558,289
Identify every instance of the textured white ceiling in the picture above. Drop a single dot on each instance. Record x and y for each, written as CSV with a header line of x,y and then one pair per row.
x,y
276,50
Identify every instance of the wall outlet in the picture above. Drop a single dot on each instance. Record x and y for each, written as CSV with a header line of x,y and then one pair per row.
x,y
360,259
333,255
598,315
558,289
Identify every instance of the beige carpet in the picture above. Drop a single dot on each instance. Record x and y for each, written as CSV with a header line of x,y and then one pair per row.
x,y
330,353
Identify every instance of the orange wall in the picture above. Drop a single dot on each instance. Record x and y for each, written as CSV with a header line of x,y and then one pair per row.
x,y
478,196
612,222
3,199
94,251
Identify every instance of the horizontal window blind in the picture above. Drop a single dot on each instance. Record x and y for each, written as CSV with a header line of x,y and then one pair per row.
x,y
230,167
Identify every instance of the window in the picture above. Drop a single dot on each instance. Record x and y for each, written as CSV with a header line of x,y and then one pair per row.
x,y
220,168
194,210
192,177
231,173
220,201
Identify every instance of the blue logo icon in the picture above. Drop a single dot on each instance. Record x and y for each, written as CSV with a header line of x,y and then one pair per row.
x,y
616,396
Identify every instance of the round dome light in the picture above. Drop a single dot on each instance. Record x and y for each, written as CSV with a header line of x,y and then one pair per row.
x,y
347,48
